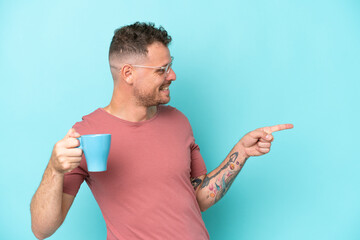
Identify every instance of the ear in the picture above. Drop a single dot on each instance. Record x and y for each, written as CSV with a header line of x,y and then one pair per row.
x,y
127,73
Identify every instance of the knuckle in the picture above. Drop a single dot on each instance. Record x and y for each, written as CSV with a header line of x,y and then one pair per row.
x,y
67,141
76,141
58,144
73,142
58,155
66,165
70,142
78,151
61,159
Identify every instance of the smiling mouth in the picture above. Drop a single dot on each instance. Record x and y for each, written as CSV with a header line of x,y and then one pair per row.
x,y
164,88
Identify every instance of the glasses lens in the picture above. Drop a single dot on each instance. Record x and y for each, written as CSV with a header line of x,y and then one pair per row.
x,y
168,67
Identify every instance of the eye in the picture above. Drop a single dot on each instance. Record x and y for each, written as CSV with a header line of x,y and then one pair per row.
x,y
161,71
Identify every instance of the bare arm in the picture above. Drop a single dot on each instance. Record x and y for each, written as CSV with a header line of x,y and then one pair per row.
x,y
212,187
49,206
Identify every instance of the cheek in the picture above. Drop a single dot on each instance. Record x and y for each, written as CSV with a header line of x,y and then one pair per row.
x,y
142,84
149,84
155,85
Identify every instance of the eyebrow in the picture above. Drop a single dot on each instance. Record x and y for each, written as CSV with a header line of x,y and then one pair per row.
x,y
172,58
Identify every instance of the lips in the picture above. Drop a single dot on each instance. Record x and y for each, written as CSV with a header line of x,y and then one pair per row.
x,y
165,87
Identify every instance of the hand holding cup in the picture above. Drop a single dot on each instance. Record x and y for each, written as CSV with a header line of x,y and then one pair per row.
x,y
65,155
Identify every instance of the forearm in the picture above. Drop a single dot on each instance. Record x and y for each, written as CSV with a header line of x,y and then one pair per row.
x,y
46,212
216,183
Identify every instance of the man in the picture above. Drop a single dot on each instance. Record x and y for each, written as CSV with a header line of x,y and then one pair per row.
x,y
156,184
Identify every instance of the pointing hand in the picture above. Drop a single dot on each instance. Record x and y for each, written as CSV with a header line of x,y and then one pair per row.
x,y
258,142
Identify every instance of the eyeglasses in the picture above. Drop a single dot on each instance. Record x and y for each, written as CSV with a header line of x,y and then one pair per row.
x,y
165,69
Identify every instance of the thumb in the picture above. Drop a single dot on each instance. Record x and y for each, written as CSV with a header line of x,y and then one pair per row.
x,y
72,133
260,134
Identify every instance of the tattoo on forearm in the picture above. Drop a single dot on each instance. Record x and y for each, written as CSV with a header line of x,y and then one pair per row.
x,y
232,159
225,177
225,185
196,182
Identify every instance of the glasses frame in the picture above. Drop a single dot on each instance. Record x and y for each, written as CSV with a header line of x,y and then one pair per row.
x,y
166,68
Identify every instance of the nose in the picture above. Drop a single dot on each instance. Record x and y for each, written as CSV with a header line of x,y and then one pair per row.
x,y
171,75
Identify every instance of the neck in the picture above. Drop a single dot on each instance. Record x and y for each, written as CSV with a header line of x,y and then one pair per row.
x,y
129,111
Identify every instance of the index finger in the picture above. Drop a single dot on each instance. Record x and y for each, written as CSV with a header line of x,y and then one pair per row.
x,y
71,143
277,128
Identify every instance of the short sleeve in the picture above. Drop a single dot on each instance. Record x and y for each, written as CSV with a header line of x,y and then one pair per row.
x,y
74,179
198,167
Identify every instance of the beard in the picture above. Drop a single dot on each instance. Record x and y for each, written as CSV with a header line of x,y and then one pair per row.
x,y
149,99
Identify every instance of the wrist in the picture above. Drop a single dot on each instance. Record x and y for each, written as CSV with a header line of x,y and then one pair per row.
x,y
242,152
53,170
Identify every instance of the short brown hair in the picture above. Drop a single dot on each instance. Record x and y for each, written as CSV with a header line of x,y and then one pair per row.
x,y
135,38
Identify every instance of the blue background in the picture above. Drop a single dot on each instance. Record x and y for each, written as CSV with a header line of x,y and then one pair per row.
x,y
240,65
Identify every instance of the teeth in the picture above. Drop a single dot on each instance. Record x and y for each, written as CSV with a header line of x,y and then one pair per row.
x,y
165,88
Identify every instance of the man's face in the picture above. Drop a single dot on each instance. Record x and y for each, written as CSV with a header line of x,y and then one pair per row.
x,y
151,86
